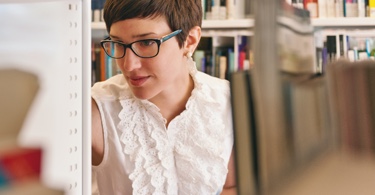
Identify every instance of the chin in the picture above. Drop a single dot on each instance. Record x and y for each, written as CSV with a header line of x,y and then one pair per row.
x,y
140,94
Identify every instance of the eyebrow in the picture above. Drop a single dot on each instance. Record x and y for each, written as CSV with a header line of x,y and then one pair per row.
x,y
135,36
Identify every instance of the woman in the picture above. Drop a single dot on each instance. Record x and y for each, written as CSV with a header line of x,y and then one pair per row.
x,y
161,127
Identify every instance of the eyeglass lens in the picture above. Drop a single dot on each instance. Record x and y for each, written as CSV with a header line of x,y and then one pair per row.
x,y
142,48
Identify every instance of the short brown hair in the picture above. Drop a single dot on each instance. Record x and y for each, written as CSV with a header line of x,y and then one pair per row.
x,y
180,14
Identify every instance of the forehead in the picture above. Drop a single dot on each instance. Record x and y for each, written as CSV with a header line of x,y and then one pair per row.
x,y
134,27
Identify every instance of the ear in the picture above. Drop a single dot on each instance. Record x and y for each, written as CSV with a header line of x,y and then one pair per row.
x,y
192,39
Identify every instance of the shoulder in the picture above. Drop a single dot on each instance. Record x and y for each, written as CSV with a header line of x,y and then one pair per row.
x,y
213,84
111,88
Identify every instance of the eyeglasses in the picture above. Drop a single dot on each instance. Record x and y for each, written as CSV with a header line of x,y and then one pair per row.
x,y
147,48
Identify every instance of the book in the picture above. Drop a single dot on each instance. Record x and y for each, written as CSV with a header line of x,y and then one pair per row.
x,y
371,93
205,46
365,128
331,11
308,116
243,48
339,8
274,154
98,65
312,7
198,57
208,10
351,8
244,126
323,8
238,9
290,99
371,8
361,8
332,47
223,64
352,114
295,32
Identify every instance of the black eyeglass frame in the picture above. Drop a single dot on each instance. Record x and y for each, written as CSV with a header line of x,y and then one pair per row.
x,y
158,42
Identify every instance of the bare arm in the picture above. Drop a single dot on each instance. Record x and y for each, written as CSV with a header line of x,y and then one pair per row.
x,y
97,143
230,183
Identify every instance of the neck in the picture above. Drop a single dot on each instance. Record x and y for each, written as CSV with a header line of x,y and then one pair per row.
x,y
174,103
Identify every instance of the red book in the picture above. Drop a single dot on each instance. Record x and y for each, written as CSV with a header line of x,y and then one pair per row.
x,y
241,59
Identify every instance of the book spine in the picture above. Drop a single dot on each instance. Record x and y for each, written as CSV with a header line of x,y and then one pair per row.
x,y
208,10
216,9
372,8
223,10
230,9
223,67
102,62
312,6
239,9
339,8
322,8
351,8
204,9
331,11
361,8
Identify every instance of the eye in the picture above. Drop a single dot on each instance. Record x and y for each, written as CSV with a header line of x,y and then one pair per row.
x,y
146,43
117,45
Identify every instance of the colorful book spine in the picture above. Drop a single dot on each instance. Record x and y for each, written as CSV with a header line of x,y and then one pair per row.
x,y
312,6
371,8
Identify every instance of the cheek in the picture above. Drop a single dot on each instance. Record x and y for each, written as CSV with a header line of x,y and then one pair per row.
x,y
119,64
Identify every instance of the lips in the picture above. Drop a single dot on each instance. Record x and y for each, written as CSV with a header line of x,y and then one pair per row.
x,y
138,80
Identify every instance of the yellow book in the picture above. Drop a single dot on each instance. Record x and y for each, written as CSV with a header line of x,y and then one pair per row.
x,y
372,8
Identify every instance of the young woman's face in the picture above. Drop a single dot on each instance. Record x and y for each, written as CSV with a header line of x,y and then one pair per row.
x,y
150,77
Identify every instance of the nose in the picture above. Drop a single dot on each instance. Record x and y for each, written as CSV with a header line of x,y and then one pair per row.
x,y
129,62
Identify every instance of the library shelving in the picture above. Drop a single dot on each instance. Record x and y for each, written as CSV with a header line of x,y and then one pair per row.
x,y
354,22
299,146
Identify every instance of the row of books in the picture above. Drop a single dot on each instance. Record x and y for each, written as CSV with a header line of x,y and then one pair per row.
x,y
227,9
284,120
103,67
97,10
212,9
343,44
337,8
267,159
352,101
222,60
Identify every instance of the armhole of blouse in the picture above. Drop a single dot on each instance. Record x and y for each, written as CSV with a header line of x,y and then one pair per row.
x,y
105,135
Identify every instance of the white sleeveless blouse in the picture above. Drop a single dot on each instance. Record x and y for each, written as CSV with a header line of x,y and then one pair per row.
x,y
143,156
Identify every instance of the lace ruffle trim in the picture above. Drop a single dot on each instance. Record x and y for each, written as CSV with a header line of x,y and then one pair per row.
x,y
193,154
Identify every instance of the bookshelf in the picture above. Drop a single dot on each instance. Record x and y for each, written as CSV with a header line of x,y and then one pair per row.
x,y
50,39
292,110
354,22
